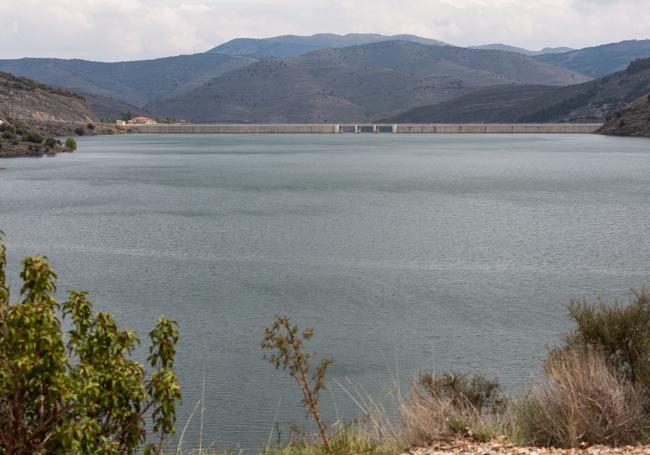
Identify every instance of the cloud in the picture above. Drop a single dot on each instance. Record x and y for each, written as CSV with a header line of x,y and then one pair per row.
x,y
133,29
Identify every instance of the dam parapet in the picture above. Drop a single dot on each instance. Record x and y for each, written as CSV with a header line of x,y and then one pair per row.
x,y
372,128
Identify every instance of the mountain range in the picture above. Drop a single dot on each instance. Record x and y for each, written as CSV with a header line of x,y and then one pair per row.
x,y
354,77
600,60
357,83
293,46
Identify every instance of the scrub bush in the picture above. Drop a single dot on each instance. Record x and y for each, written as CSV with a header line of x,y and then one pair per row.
x,y
71,143
79,393
450,405
621,332
597,382
33,137
284,347
475,390
583,401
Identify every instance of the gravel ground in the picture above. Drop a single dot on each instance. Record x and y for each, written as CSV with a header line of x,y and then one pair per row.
x,y
464,447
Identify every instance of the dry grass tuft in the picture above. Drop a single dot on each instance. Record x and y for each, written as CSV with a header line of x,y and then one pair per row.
x,y
445,407
583,401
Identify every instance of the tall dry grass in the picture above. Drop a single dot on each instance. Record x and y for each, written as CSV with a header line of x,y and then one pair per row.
x,y
449,406
583,400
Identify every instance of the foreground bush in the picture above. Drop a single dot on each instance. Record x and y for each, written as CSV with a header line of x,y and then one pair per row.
x,y
583,401
81,394
621,332
595,390
598,382
284,347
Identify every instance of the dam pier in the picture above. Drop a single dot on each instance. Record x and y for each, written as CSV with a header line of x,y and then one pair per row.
x,y
365,128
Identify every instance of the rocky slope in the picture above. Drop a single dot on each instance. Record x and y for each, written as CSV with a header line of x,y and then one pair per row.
x,y
632,120
27,100
32,113
356,83
587,102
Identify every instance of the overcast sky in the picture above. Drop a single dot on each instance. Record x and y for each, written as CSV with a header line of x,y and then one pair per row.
x,y
135,29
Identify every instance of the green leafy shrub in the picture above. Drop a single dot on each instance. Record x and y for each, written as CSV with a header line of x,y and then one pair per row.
x,y
71,143
285,347
81,393
621,332
33,137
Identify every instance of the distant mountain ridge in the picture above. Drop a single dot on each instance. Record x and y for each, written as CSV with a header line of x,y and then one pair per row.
x,y
293,45
356,83
601,60
136,82
520,50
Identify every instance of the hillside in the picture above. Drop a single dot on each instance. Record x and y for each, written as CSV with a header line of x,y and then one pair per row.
x,y
136,82
600,60
357,83
110,109
293,46
490,105
28,100
632,120
28,109
587,102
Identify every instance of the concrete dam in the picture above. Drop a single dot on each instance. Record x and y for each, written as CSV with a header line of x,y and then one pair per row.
x,y
359,128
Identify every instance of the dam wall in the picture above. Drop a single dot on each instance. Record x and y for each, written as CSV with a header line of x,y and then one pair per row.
x,y
323,128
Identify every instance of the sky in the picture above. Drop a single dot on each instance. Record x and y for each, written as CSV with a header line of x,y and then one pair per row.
x,y
114,30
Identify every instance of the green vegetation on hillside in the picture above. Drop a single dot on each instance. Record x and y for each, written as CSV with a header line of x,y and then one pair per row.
x,y
18,139
22,83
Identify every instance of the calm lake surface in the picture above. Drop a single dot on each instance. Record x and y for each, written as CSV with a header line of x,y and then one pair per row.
x,y
404,252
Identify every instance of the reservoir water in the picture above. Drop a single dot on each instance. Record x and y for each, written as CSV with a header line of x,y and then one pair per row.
x,y
403,252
